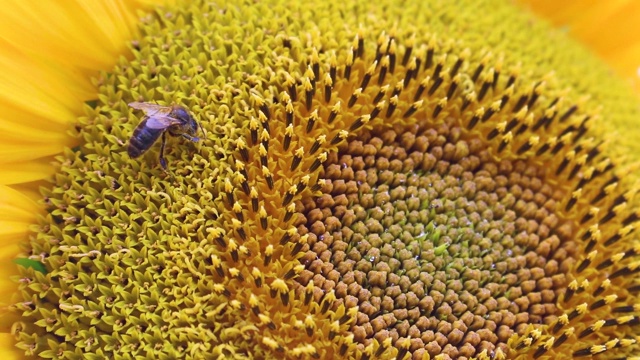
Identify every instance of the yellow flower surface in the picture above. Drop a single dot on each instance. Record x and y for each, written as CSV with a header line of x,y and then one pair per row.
x,y
44,86
383,180
610,28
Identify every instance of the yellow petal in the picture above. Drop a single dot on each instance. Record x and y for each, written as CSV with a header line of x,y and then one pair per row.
x,y
78,33
15,207
36,88
30,190
43,87
8,351
28,171
610,28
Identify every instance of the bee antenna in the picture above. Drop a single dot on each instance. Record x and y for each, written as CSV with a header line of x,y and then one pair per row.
x,y
204,133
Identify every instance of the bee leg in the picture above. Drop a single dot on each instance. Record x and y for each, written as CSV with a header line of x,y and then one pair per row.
x,y
163,162
190,138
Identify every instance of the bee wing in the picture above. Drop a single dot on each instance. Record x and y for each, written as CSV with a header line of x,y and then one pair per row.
x,y
161,121
150,109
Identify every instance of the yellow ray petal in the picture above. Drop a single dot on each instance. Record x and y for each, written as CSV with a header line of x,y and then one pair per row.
x,y
15,207
42,88
21,172
31,129
610,28
78,33
8,351
31,189
16,151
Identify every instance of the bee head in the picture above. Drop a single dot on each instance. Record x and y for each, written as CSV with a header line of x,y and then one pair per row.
x,y
190,124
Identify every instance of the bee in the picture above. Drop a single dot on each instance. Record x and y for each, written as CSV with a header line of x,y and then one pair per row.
x,y
159,120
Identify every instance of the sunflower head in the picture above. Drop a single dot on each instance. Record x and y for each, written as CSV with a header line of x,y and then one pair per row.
x,y
367,188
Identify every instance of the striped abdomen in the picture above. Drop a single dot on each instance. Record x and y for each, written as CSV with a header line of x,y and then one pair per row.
x,y
142,139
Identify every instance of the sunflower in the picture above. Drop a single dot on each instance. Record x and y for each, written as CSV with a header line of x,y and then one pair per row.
x,y
371,181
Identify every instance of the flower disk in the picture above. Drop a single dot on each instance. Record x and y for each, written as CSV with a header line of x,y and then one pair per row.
x,y
365,188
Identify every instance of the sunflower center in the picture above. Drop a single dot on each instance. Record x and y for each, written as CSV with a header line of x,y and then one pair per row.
x,y
360,192
434,240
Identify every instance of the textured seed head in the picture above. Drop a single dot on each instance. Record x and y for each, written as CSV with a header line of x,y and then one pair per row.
x,y
365,189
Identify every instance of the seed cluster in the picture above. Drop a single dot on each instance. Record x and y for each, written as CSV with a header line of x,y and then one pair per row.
x,y
363,192
434,241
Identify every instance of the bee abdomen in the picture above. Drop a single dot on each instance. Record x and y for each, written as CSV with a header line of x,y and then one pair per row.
x,y
142,139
